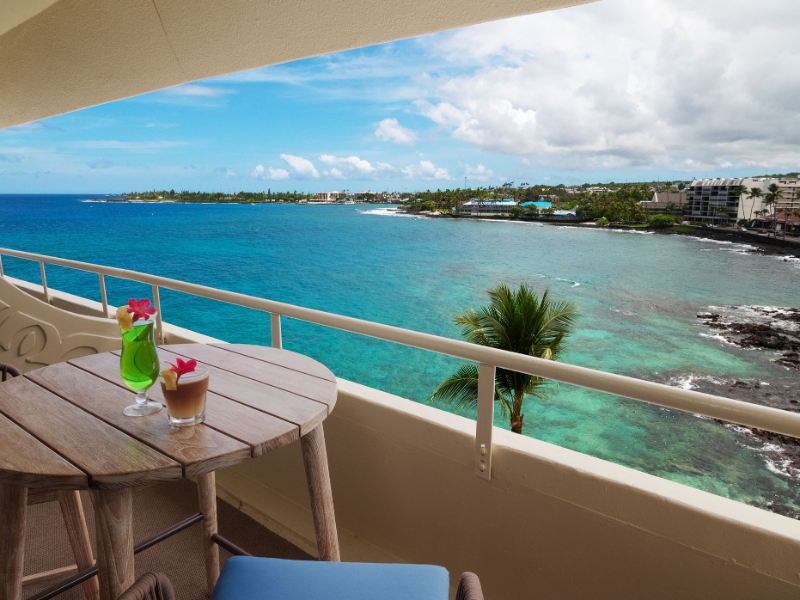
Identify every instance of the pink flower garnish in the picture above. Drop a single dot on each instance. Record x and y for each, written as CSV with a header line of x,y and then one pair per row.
x,y
183,366
140,309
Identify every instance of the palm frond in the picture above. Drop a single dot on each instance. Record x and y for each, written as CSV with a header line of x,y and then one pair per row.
x,y
518,320
460,389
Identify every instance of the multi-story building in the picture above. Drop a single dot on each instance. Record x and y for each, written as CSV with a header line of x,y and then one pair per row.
x,y
327,196
715,200
788,192
708,198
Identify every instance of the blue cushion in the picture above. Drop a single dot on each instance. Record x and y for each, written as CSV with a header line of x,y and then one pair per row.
x,y
251,578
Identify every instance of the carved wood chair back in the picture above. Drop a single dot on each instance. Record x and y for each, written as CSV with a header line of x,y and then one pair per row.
x,y
35,334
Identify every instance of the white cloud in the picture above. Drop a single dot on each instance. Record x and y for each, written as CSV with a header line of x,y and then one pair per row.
x,y
425,170
193,89
352,163
260,173
389,130
230,174
302,166
674,84
335,173
478,173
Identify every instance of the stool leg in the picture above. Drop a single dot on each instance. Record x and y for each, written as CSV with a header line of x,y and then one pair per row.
x,y
207,493
75,521
315,460
113,517
13,509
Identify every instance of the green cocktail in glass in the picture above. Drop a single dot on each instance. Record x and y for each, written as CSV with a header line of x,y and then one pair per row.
x,y
139,366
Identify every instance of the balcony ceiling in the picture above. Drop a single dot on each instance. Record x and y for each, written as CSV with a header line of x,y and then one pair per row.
x,y
58,56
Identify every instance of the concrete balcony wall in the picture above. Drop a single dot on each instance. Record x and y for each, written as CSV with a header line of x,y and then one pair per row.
x,y
552,523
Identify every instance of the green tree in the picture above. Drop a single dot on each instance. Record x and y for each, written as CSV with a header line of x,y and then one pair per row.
x,y
771,200
660,221
517,321
753,194
723,215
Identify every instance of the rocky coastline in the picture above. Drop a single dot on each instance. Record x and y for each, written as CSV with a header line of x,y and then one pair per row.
x,y
775,330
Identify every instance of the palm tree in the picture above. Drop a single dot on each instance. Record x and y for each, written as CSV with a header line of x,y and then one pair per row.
x,y
518,321
754,193
771,199
722,215
760,216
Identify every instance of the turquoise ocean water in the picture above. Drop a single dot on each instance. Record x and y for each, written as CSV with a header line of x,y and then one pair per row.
x,y
638,296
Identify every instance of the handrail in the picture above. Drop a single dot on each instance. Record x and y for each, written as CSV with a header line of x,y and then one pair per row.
x,y
717,407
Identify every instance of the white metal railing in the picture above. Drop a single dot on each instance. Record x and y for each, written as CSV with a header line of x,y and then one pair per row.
x,y
488,359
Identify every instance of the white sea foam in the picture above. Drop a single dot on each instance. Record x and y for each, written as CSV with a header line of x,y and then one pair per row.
x,y
774,455
718,337
689,382
631,231
386,212
574,283
727,246
93,201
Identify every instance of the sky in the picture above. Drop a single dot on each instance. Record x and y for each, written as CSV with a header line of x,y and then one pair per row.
x,y
618,90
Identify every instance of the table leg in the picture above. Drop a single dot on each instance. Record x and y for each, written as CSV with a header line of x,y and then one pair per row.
x,y
13,508
207,492
75,521
315,460
113,516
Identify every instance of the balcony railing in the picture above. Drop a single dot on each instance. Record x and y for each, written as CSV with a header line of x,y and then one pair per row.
x,y
488,359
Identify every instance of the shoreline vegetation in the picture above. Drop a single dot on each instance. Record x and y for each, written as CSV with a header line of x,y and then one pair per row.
x,y
611,205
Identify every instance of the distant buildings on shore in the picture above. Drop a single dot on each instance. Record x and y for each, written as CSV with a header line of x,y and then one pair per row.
x,y
477,207
347,197
665,203
716,200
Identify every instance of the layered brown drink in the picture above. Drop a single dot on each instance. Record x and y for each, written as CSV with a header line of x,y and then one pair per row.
x,y
185,396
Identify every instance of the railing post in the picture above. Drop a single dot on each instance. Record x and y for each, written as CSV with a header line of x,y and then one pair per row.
x,y
275,327
1,265
44,282
103,296
485,421
159,322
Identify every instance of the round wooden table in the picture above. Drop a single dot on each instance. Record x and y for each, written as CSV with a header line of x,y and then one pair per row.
x,y
62,428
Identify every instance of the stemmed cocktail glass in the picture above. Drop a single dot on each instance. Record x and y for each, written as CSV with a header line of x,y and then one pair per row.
x,y
138,364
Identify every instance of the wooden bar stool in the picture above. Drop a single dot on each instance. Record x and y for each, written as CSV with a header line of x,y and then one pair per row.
x,y
75,522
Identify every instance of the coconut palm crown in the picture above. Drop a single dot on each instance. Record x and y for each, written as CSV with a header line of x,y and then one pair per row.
x,y
515,320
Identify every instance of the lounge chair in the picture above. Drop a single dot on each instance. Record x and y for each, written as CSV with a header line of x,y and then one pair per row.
x,y
250,578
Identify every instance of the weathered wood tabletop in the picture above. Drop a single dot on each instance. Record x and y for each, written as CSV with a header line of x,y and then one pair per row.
x,y
62,427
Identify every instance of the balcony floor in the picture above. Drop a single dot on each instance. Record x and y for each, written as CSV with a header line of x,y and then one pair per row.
x,y
155,508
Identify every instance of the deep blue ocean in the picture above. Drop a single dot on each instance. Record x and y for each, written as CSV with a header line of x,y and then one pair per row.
x,y
638,297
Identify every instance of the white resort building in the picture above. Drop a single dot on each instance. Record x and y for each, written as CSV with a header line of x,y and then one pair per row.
x,y
327,196
707,198
488,208
410,483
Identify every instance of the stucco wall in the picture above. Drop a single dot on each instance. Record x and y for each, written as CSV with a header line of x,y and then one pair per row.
x,y
552,523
